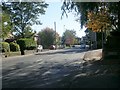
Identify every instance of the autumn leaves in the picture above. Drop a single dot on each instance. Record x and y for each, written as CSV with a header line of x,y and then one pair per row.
x,y
98,21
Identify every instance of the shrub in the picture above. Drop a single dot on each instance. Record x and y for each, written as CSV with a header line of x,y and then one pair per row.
x,y
30,44
5,48
14,47
26,43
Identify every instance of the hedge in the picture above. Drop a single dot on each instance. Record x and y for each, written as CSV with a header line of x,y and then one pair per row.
x,y
5,48
26,43
14,47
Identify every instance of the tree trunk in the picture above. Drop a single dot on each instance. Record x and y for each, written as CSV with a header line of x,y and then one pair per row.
x,y
22,52
102,40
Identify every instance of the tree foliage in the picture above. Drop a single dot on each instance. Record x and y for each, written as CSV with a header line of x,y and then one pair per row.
x,y
6,25
47,37
98,22
23,14
28,33
83,9
80,8
69,37
57,39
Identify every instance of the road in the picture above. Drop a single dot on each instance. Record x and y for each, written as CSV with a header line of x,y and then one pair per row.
x,y
43,69
62,68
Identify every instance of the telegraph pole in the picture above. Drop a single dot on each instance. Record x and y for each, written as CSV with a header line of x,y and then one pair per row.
x,y
55,33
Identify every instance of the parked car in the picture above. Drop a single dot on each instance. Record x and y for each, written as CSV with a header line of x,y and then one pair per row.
x,y
82,46
39,48
73,45
52,47
87,46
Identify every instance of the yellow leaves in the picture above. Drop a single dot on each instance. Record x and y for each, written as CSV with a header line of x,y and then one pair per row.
x,y
97,21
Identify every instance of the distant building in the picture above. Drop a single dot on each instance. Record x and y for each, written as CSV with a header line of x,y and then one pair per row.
x,y
37,39
91,38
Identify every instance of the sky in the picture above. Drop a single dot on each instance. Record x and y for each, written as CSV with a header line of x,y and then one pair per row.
x,y
53,14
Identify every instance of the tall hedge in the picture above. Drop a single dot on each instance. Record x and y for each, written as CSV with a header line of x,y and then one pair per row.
x,y
30,44
26,43
14,47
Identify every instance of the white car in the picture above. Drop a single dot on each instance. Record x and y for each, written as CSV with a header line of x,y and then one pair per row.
x,y
39,48
82,46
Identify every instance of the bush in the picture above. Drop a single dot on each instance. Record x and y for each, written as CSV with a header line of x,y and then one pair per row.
x,y
25,43
30,44
14,47
5,48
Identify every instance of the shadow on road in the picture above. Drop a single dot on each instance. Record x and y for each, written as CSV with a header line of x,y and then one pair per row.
x,y
96,74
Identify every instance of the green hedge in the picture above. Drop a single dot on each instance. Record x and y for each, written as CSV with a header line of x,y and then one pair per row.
x,y
26,43
30,44
5,48
14,47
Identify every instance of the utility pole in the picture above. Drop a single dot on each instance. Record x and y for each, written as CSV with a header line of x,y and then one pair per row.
x,y
55,34
64,27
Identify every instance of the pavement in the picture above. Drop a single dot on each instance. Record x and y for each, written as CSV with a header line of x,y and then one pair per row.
x,y
61,69
27,52
93,55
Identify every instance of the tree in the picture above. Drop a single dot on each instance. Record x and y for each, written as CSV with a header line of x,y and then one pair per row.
x,y
77,41
83,8
6,25
99,22
105,20
68,37
57,39
80,8
28,33
23,14
47,37
113,9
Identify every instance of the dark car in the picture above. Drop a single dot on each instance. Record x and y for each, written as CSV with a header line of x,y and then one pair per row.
x,y
73,46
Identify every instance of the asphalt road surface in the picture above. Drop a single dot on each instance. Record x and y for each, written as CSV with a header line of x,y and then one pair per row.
x,y
44,69
63,68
